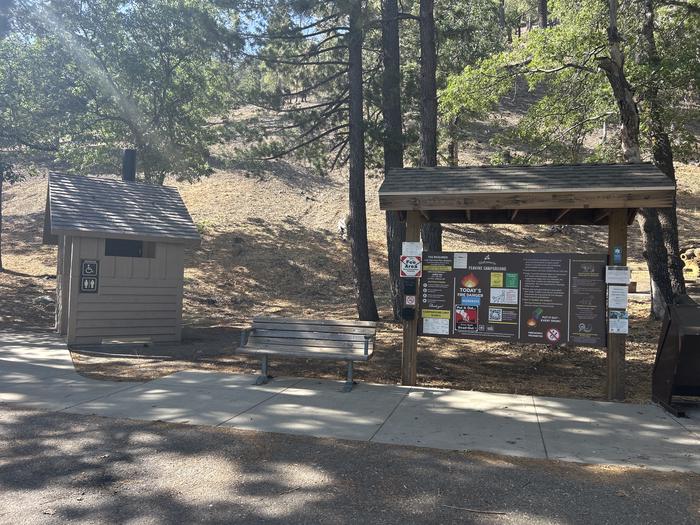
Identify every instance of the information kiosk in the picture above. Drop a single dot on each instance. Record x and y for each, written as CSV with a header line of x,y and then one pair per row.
x,y
546,298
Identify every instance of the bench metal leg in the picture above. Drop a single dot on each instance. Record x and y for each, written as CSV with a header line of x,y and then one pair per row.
x,y
263,378
349,383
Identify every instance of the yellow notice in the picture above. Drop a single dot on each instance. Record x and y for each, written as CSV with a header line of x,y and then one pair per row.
x,y
496,279
436,268
435,314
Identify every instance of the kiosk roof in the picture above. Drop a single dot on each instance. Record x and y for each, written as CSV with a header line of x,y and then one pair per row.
x,y
566,194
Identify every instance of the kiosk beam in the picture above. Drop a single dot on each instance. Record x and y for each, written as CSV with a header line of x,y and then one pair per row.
x,y
410,327
617,238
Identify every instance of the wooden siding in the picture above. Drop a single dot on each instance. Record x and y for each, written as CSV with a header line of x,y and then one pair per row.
x,y
66,258
137,297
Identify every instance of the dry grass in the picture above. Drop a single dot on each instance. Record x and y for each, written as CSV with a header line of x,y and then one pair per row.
x,y
270,246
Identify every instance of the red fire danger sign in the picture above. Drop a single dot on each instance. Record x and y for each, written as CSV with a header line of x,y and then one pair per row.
x,y
411,266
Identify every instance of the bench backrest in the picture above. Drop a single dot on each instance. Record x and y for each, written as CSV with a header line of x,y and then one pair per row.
x,y
350,335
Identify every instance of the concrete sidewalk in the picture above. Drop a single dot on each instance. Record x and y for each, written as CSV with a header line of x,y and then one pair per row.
x,y
36,371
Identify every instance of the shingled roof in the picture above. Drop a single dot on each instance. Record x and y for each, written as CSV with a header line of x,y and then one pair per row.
x,y
85,206
526,194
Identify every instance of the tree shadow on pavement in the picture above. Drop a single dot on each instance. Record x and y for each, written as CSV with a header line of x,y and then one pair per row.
x,y
59,468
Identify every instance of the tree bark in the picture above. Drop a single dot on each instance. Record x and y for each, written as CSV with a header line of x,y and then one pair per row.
x,y
613,67
431,232
392,141
366,305
2,179
656,256
453,153
502,15
662,150
652,237
5,7
542,13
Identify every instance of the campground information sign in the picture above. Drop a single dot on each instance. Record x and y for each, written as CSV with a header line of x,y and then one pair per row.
x,y
545,298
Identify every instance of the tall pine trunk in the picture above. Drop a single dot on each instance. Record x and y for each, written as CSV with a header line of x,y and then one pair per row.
x,y
5,6
661,149
652,237
2,179
431,232
392,141
366,305
542,13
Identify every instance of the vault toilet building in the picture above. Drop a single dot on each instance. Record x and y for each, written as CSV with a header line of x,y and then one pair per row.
x,y
120,258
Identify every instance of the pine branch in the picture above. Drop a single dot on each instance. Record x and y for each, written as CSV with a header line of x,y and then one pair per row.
x,y
315,106
318,121
317,85
281,34
329,38
317,52
273,60
342,145
302,36
408,16
305,143
301,108
323,118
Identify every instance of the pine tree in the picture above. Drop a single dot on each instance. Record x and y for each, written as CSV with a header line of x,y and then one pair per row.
x,y
312,103
431,232
392,140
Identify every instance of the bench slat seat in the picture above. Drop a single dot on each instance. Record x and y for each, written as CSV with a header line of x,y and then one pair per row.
x,y
309,352
309,339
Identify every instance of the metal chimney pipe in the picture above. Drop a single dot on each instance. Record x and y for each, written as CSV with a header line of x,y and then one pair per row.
x,y
129,165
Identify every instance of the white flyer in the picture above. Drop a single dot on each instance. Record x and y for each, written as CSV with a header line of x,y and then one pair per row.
x,y
436,326
460,260
618,296
504,296
412,249
617,274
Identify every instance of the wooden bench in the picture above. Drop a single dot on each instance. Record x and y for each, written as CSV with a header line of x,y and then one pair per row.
x,y
309,339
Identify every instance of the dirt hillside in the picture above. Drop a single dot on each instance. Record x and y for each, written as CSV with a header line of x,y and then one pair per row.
x,y
271,246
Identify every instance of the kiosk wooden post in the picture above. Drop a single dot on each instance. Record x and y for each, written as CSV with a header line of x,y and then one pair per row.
x,y
617,238
410,327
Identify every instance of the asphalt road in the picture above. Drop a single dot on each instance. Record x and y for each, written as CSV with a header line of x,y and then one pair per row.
x,y
60,468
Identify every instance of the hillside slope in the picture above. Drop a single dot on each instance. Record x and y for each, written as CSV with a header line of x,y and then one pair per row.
x,y
270,245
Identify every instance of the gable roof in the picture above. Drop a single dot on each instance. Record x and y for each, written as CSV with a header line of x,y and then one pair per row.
x,y
85,206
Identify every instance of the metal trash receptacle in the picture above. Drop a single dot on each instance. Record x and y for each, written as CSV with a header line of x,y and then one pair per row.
x,y
677,365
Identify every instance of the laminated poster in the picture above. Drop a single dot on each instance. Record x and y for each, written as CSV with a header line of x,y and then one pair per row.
x,y
530,297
